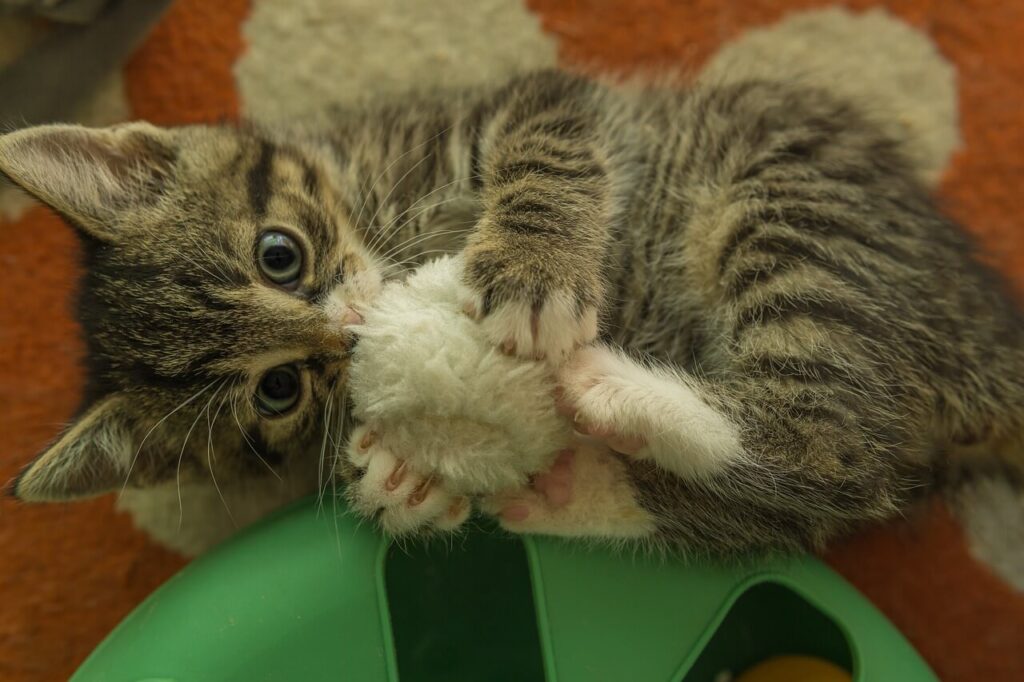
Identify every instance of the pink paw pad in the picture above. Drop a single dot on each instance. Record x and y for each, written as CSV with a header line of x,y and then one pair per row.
x,y
515,513
556,484
552,488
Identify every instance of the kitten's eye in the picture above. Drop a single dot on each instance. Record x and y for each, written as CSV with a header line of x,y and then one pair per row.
x,y
278,390
279,258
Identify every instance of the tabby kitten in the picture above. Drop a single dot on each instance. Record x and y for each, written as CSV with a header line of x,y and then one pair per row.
x,y
806,343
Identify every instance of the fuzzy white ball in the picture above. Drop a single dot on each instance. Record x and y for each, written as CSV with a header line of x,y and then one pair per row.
x,y
425,377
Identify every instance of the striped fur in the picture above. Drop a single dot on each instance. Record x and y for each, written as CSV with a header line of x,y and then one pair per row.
x,y
760,244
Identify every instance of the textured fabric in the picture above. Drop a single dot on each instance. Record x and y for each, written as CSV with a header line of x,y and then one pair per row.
x,y
56,73
71,11
71,572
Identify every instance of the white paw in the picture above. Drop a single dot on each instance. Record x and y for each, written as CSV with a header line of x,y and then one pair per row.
x,y
599,389
647,412
535,508
586,493
401,499
551,332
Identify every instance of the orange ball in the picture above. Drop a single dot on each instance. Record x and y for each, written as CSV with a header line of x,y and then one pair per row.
x,y
795,669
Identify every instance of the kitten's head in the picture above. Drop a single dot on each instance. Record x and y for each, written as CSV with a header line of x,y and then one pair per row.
x,y
220,275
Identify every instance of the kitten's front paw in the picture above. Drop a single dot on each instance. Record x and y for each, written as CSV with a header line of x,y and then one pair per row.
x,y
535,310
402,500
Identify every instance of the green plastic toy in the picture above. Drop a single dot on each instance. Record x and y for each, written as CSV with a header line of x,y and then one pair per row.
x,y
313,594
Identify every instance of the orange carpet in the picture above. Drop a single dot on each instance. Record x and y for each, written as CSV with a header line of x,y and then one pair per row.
x,y
71,572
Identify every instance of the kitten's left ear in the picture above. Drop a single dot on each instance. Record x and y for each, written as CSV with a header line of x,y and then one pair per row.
x,y
90,174
90,458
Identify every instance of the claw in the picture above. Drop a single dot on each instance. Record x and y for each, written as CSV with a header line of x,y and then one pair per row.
x,y
367,441
420,492
627,445
582,426
396,477
455,508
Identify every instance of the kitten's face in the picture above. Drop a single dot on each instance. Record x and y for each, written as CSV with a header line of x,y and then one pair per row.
x,y
221,276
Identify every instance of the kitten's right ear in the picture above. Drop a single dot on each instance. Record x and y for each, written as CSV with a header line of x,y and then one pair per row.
x,y
90,174
90,458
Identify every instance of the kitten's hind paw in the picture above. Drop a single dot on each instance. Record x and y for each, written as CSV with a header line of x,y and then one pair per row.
x,y
646,411
586,493
595,387
529,509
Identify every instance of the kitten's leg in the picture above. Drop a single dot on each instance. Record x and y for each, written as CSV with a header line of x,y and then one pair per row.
x,y
389,489
649,412
748,462
587,493
534,260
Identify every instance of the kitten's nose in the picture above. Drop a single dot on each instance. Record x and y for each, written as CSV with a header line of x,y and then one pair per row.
x,y
347,325
351,318
341,321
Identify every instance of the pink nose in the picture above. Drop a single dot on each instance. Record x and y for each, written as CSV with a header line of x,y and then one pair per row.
x,y
351,318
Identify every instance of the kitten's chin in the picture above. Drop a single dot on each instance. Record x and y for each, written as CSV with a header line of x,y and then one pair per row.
x,y
196,516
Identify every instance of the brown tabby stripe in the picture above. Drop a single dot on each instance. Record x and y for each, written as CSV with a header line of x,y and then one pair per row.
x,y
258,180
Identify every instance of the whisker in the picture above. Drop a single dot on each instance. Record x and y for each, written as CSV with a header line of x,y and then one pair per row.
x,y
328,404
211,455
368,194
395,268
334,510
389,230
339,432
181,454
165,418
343,413
419,239
333,478
248,441
201,246
395,186
217,278
414,260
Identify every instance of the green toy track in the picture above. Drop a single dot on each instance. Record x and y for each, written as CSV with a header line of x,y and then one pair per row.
x,y
313,595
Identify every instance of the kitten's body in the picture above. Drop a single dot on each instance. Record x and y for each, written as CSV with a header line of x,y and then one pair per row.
x,y
780,256
824,345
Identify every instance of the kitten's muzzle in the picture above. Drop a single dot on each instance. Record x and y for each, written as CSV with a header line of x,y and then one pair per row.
x,y
347,326
351,318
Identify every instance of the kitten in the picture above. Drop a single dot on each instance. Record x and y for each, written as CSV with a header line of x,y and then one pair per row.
x,y
806,342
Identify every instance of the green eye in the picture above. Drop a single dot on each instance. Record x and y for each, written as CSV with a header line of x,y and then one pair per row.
x,y
279,258
278,390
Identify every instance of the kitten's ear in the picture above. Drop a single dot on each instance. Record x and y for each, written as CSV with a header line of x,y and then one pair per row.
x,y
89,174
89,458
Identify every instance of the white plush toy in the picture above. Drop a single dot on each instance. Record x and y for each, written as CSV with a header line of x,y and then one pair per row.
x,y
432,387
